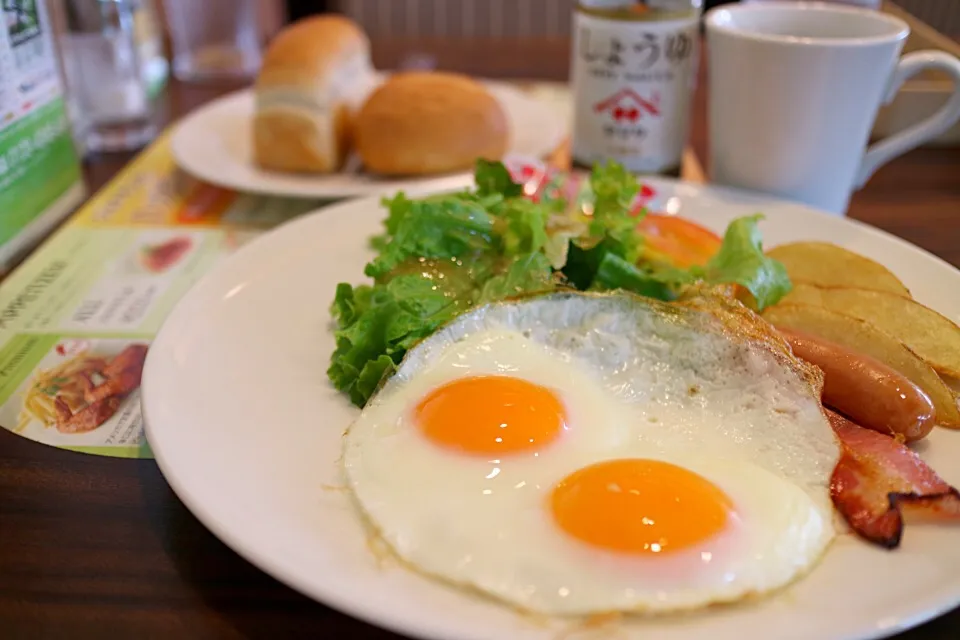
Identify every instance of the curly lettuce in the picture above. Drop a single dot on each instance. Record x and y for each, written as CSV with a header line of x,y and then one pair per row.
x,y
443,254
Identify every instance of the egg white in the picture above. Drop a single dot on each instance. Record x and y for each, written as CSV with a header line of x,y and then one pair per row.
x,y
636,383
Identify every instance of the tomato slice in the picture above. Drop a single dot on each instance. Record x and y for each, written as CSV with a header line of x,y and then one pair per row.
x,y
679,241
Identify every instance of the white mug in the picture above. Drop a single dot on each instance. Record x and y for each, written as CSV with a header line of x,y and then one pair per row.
x,y
794,91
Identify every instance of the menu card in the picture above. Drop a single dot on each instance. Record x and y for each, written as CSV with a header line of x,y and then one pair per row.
x,y
77,317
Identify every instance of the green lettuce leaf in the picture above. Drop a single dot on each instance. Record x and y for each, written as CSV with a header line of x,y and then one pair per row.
x,y
741,260
559,241
524,226
376,326
614,190
449,227
612,227
368,379
583,263
350,303
526,274
398,207
495,178
616,273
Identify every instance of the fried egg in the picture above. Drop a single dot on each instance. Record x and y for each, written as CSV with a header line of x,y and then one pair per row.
x,y
575,454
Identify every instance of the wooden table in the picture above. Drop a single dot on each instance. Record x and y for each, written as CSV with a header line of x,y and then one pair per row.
x,y
96,547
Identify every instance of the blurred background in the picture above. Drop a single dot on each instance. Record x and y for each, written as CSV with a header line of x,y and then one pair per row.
x,y
540,29
117,56
512,18
448,33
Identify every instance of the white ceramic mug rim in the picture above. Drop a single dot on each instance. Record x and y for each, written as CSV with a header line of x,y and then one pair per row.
x,y
899,29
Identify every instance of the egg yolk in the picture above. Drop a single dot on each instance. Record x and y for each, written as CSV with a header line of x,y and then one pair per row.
x,y
639,506
491,415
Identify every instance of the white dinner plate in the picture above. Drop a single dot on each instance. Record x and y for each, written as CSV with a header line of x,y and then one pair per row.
x,y
214,144
247,430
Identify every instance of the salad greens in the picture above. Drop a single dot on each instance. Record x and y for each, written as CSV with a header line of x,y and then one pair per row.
x,y
443,254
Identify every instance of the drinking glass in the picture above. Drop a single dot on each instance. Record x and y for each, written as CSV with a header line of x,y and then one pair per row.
x,y
109,102
214,39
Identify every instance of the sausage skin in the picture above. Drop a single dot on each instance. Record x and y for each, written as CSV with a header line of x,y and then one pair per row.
x,y
864,389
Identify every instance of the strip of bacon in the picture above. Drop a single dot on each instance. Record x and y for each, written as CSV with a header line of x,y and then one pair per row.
x,y
879,480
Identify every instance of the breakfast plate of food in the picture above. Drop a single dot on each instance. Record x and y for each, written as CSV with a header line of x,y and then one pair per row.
x,y
544,406
321,122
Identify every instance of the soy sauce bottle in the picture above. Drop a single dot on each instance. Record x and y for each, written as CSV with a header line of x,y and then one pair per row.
x,y
632,71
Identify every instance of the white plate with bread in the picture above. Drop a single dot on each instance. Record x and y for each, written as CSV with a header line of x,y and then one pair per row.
x,y
321,122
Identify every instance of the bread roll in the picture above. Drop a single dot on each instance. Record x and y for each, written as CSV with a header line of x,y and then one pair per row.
x,y
426,122
315,73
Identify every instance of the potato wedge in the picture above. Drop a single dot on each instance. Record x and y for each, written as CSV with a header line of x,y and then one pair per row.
x,y
954,386
930,335
953,383
861,336
825,264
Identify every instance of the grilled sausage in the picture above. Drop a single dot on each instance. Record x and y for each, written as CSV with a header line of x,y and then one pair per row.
x,y
867,391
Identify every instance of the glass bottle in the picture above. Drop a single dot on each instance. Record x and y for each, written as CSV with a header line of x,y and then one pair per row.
x,y
633,70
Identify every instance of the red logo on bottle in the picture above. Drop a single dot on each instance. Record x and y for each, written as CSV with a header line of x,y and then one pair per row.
x,y
627,106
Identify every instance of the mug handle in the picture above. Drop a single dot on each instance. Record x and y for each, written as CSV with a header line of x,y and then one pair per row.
x,y
885,150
